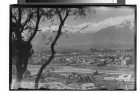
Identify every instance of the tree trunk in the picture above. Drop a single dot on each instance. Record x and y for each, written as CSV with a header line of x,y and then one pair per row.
x,y
50,58
16,83
41,69
21,67
22,49
21,57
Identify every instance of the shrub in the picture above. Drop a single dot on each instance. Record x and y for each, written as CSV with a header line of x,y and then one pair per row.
x,y
78,78
48,71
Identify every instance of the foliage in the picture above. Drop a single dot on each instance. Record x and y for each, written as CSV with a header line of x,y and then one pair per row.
x,y
78,78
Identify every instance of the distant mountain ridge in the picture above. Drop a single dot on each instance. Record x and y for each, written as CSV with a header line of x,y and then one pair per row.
x,y
112,36
90,27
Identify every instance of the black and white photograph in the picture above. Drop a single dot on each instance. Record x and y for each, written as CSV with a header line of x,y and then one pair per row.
x,y
73,47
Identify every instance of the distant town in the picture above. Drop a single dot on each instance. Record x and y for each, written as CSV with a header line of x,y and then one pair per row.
x,y
92,57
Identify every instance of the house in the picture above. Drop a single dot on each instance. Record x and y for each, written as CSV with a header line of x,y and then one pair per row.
x,y
109,78
88,86
124,77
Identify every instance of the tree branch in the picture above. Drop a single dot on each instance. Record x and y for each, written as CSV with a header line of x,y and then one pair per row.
x,y
19,15
26,34
67,14
59,14
18,28
28,27
28,19
14,17
36,27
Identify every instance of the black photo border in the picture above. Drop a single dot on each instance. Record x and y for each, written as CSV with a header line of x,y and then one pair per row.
x,y
68,6
119,2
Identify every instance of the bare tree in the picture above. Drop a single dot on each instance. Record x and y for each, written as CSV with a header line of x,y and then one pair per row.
x,y
24,26
63,14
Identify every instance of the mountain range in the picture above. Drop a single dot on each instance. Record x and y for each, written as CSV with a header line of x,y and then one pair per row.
x,y
114,36
108,37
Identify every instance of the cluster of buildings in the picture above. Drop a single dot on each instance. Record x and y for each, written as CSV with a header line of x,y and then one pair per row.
x,y
38,58
122,77
95,59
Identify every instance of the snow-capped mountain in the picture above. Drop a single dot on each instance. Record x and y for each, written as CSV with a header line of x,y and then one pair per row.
x,y
94,27
118,31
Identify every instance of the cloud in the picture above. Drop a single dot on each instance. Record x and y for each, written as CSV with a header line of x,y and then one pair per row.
x,y
112,22
94,27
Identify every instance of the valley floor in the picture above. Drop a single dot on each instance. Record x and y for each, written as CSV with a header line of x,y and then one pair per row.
x,y
57,77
